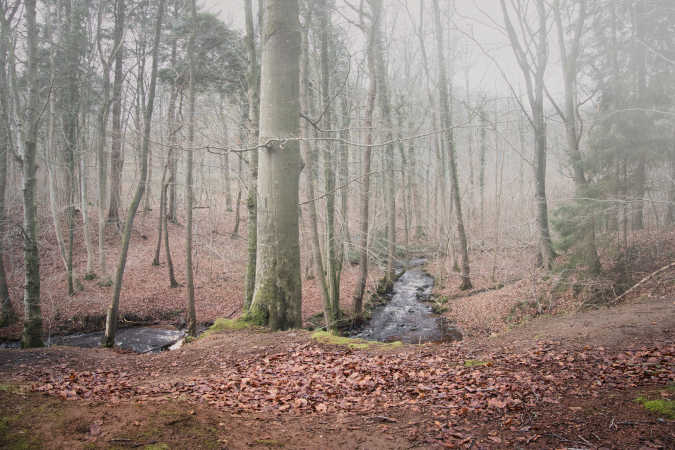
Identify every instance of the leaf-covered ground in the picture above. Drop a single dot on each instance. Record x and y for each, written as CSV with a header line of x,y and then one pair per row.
x,y
521,389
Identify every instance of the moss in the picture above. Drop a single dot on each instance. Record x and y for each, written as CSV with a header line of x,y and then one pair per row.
x,y
10,388
223,324
156,447
476,363
661,406
360,344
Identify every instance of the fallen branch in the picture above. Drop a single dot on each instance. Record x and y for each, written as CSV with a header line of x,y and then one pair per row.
x,y
643,281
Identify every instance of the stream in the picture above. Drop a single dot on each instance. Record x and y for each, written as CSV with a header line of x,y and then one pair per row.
x,y
143,339
405,317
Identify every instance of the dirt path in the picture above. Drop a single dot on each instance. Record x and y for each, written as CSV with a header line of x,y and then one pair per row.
x,y
565,382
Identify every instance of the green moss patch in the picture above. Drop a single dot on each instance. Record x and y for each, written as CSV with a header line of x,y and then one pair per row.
x,y
662,407
360,344
221,325
476,363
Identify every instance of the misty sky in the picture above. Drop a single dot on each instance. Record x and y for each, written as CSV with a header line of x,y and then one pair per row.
x,y
480,18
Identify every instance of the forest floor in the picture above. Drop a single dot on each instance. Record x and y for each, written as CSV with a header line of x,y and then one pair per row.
x,y
542,365
558,382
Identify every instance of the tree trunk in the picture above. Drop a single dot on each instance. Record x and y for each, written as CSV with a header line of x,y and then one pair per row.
x,y
447,124
116,159
309,156
344,171
376,9
237,206
253,83
101,160
70,40
32,325
162,213
277,298
189,276
390,184
333,248
569,61
111,317
165,226
7,312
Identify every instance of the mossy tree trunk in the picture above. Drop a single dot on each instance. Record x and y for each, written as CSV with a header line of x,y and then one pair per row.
x,y
113,310
253,83
32,325
277,298
7,312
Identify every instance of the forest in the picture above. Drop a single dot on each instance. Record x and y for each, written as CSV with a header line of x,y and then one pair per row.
x,y
337,224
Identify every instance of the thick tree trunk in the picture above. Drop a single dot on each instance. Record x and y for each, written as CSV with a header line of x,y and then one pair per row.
x,y
116,159
111,317
447,124
32,325
278,296
7,312
253,82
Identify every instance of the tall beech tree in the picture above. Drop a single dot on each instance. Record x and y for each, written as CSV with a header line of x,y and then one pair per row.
x,y
277,298
32,324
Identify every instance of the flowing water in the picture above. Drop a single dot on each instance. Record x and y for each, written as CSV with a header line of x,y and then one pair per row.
x,y
136,339
406,318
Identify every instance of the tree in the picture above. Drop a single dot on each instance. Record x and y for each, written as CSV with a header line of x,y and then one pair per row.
x,y
253,97
7,313
189,275
116,158
111,317
278,297
372,32
531,51
390,183
569,59
32,325
449,140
